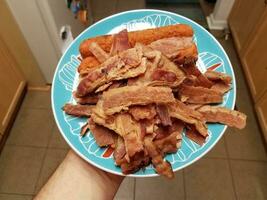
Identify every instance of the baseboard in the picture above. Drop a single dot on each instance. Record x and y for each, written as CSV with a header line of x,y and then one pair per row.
x,y
216,24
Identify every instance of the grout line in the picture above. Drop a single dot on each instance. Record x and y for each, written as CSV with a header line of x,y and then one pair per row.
x,y
40,171
13,193
185,195
234,159
134,188
230,169
36,147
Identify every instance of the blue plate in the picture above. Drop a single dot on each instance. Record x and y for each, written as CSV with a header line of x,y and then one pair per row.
x,y
211,55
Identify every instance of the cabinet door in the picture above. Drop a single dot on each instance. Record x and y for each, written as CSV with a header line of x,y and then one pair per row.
x,y
261,108
244,16
255,61
12,85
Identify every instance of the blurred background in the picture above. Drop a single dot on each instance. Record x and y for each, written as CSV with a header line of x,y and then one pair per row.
x,y
35,33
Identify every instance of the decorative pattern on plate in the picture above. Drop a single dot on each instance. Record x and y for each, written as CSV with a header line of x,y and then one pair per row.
x,y
66,80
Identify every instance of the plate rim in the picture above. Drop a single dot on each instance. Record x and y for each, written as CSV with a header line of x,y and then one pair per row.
x,y
140,175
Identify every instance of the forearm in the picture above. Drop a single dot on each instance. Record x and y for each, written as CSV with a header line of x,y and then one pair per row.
x,y
76,179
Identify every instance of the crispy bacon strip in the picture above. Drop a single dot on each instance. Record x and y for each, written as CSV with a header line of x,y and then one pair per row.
x,y
221,87
162,167
177,111
142,112
194,135
78,110
223,115
115,100
218,76
103,136
89,99
98,52
163,113
199,95
120,42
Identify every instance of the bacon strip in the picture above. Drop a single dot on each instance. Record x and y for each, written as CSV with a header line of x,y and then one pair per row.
x,y
221,87
194,135
162,167
163,113
218,76
142,112
78,110
98,52
103,136
120,42
115,100
223,115
178,112
89,99
199,95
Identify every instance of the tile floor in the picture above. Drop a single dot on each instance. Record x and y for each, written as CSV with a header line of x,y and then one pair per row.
x,y
236,168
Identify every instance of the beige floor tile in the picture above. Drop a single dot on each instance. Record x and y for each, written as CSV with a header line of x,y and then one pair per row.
x,y
32,127
123,5
250,179
160,188
245,143
15,197
209,179
57,140
218,151
37,99
20,168
52,160
126,190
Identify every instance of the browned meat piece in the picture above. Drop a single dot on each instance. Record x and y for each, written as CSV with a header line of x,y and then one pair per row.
x,y
98,52
170,140
190,68
102,135
89,99
115,100
194,135
175,48
84,129
223,115
103,87
189,110
194,106
137,162
120,42
142,112
78,110
144,36
115,68
199,95
218,76
162,167
169,144
130,130
119,151
163,113
221,87
179,112
160,71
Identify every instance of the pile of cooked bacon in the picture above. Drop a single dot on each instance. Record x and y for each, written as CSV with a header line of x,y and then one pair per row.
x,y
140,98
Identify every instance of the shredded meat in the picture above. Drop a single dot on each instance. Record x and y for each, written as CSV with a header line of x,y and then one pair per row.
x,y
223,115
78,110
115,100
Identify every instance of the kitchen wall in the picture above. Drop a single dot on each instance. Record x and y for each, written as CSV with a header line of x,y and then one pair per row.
x,y
18,47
